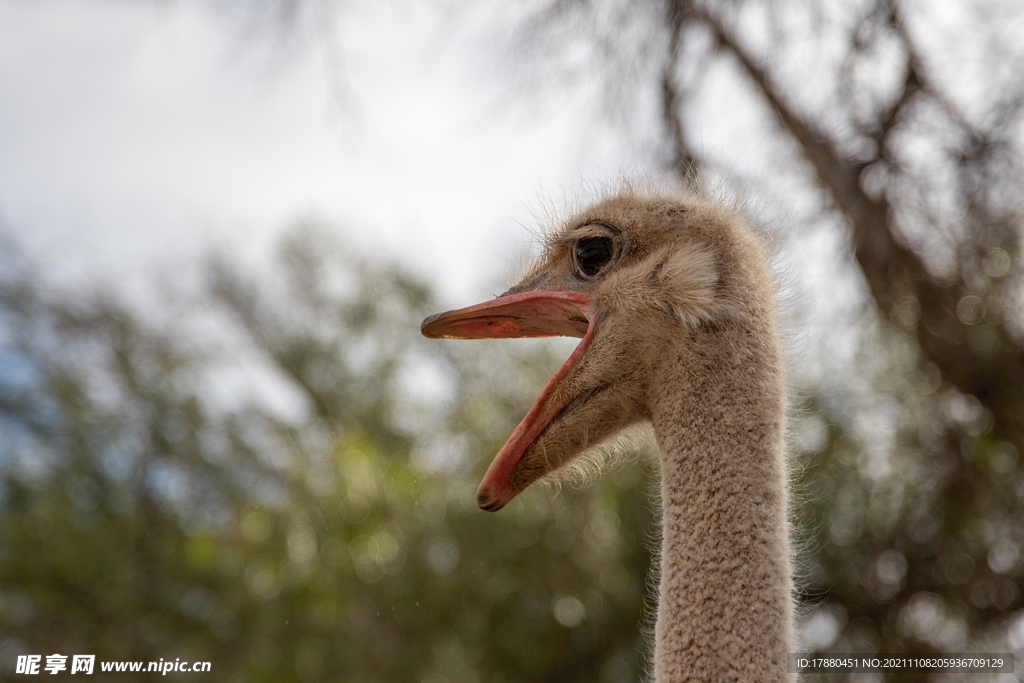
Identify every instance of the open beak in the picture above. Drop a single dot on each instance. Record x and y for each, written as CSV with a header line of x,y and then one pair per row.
x,y
525,314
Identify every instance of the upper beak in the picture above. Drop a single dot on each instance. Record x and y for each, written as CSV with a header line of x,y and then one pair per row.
x,y
524,314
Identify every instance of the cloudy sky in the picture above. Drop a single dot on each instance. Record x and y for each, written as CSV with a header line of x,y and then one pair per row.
x,y
133,135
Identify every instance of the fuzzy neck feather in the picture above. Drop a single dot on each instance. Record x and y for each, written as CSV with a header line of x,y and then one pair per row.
x,y
725,605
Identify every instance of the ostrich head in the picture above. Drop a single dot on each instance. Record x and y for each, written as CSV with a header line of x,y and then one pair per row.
x,y
632,276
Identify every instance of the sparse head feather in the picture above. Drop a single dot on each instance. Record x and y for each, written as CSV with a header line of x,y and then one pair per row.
x,y
685,252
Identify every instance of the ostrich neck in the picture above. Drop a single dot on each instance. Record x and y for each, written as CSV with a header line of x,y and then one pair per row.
x,y
724,608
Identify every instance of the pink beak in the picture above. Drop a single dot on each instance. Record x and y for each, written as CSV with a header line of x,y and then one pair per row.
x,y
525,314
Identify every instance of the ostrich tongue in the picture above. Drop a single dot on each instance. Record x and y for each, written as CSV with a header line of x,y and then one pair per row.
x,y
524,314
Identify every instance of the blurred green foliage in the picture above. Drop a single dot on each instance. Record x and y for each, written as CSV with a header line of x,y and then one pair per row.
x,y
913,541
276,474
158,504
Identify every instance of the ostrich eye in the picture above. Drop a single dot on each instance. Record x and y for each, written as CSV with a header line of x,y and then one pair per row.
x,y
592,254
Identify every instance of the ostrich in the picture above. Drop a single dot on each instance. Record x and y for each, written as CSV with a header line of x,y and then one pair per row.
x,y
673,300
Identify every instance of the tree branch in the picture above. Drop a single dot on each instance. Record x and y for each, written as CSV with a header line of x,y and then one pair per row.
x,y
682,160
892,270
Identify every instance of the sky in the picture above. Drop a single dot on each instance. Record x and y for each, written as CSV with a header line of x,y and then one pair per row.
x,y
136,135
